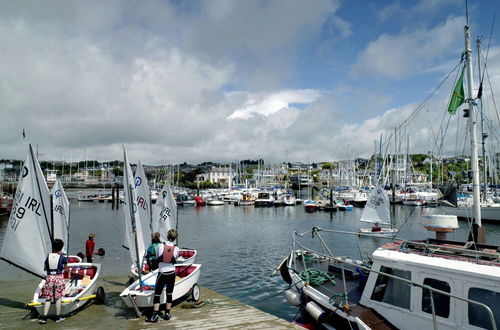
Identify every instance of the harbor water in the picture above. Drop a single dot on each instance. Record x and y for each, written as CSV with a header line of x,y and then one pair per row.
x,y
239,247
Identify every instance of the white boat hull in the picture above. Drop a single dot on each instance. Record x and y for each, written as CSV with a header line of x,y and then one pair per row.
x,y
72,303
384,232
134,297
487,213
410,202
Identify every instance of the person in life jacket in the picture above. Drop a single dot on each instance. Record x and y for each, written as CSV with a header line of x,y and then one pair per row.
x,y
167,253
151,256
53,288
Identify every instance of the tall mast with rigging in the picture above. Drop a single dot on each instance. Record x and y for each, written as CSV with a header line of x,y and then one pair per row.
x,y
477,230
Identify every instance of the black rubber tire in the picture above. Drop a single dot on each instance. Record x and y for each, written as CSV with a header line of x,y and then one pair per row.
x,y
195,293
100,296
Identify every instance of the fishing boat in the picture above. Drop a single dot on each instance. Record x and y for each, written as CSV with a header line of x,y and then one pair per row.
x,y
377,211
406,284
33,221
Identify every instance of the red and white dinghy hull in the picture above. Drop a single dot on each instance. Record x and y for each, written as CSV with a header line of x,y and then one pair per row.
x,y
187,277
81,283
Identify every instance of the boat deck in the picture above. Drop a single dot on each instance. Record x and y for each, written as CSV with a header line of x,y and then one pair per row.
x,y
354,284
479,254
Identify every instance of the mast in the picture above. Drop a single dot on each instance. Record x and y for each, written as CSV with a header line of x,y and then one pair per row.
x,y
483,134
477,230
134,228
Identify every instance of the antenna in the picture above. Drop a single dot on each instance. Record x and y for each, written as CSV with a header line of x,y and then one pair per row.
x,y
466,13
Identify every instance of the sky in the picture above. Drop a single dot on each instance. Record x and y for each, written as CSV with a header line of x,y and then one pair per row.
x,y
223,81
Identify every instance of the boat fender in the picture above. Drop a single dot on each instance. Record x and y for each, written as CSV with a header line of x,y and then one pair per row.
x,y
315,311
293,297
101,252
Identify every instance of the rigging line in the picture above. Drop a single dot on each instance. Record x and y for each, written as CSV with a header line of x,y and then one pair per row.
x,y
489,45
425,101
492,95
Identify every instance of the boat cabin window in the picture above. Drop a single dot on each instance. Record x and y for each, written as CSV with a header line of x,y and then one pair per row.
x,y
392,291
478,315
441,302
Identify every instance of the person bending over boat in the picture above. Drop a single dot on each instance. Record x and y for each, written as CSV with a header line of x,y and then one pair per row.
x,y
54,282
151,256
168,253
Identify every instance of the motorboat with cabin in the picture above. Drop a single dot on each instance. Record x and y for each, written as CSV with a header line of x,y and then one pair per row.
x,y
406,284
264,198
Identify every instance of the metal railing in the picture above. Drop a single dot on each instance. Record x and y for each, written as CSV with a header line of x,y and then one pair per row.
x,y
316,230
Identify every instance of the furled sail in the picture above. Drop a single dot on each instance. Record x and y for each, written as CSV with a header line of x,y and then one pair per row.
x,y
27,238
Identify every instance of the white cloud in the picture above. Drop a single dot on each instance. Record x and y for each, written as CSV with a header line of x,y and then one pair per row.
x,y
396,56
161,80
268,104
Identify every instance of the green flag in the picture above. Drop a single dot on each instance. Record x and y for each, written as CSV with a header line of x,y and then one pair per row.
x,y
458,96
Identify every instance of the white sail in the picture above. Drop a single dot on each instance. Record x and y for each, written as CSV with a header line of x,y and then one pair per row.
x,y
60,211
27,238
377,208
130,213
164,212
143,201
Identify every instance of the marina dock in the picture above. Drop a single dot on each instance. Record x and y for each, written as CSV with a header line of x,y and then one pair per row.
x,y
228,314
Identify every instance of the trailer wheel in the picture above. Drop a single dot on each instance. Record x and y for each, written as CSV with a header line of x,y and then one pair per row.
x,y
100,296
195,293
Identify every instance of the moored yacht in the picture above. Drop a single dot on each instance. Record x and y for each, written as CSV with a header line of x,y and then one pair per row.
x,y
264,198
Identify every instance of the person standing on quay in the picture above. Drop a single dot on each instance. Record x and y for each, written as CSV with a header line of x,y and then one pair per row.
x,y
53,289
168,253
89,247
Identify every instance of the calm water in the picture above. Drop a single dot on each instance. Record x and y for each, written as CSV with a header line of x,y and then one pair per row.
x,y
238,247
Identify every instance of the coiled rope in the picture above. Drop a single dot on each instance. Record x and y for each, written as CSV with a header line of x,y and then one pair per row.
x,y
316,277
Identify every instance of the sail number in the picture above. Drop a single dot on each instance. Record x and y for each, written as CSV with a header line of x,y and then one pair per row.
x,y
19,209
165,213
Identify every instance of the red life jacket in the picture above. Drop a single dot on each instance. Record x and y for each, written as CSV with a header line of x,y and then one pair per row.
x,y
168,254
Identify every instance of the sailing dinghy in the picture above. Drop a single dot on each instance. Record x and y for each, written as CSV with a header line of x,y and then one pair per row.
x,y
139,294
377,212
156,218
32,220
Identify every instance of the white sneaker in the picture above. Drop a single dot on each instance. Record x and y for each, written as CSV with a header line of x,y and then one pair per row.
x,y
60,319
